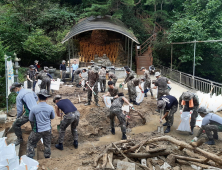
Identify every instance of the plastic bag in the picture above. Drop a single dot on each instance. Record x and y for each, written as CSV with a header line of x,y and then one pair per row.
x,y
185,122
107,101
199,121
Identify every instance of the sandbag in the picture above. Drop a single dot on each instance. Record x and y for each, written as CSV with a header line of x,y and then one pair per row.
x,y
199,121
185,122
3,142
55,84
107,101
140,95
7,152
30,163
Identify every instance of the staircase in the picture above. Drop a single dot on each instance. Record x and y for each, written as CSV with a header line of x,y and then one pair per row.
x,y
144,57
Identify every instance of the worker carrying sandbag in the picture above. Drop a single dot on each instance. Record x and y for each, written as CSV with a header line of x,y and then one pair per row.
x,y
211,122
116,110
169,105
112,90
189,102
41,116
71,117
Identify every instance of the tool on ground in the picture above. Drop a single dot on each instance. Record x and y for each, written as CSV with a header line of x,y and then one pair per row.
x,y
160,128
79,99
143,118
58,126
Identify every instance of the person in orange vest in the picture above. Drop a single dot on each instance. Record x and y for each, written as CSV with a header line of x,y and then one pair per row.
x,y
189,102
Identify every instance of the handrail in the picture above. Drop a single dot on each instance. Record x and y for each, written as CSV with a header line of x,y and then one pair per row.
x,y
194,82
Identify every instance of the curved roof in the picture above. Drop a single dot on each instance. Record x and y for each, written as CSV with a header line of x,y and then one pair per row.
x,y
100,23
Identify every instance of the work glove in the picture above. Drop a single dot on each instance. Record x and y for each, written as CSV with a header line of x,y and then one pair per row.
x,y
131,105
181,111
191,111
194,139
161,120
111,98
31,81
123,84
142,91
87,82
60,70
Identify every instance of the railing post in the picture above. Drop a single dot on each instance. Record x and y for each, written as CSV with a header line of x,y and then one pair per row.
x,y
211,90
180,77
140,50
193,82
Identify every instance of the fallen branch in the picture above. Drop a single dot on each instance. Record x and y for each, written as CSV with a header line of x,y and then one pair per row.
x,y
106,150
188,158
206,154
104,160
110,159
148,162
128,158
136,146
147,155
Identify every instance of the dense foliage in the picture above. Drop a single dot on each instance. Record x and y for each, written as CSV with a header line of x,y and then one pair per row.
x,y
35,29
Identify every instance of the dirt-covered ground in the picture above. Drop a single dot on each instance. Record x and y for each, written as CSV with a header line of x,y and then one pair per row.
x,y
94,132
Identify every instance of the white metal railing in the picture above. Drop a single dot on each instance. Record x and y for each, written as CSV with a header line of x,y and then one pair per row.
x,y
191,81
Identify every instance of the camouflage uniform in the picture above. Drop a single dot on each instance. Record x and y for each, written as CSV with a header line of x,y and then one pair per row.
x,y
147,83
102,79
76,76
113,92
113,76
31,75
187,108
129,77
131,85
116,110
170,117
33,139
161,82
46,81
93,78
69,118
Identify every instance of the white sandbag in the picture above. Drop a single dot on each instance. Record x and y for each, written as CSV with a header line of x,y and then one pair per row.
x,y
25,85
125,108
7,152
199,121
185,122
39,82
55,85
3,142
13,163
83,83
31,163
140,95
99,89
107,101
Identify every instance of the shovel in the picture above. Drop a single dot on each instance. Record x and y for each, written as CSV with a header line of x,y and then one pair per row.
x,y
58,126
94,92
160,128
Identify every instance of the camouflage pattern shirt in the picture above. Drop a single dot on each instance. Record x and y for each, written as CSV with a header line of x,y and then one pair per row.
x,y
112,75
102,73
147,75
93,77
117,104
161,82
113,92
129,77
136,81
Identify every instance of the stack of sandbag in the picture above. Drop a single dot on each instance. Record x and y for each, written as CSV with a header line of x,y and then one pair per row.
x,y
9,160
213,104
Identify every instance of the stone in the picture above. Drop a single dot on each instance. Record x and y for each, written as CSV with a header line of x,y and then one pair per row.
x,y
85,162
12,112
3,118
121,165
176,168
115,162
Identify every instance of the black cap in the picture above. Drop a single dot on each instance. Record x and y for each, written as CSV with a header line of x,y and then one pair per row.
x,y
14,85
128,70
110,83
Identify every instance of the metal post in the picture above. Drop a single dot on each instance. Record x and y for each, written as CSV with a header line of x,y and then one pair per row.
x,y
180,77
128,54
69,60
194,61
171,56
131,59
6,80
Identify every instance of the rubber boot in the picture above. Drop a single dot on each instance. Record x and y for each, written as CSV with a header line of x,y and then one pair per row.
x,y
97,104
46,157
59,146
215,136
167,129
210,142
135,103
113,131
191,133
124,136
18,141
87,104
145,95
131,101
75,144
165,124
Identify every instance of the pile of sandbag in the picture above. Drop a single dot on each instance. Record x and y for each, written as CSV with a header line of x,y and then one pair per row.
x,y
213,104
9,160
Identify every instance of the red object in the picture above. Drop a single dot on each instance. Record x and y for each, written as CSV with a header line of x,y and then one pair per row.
x,y
142,91
38,65
204,131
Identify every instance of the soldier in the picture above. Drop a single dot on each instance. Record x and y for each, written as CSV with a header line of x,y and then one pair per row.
x,y
190,102
147,81
168,104
76,77
151,69
131,85
102,78
26,98
31,77
84,77
46,79
71,117
62,68
161,83
211,122
129,76
41,116
93,78
116,110
112,91
112,76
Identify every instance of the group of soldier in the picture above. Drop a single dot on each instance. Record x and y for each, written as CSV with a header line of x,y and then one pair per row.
x,y
40,114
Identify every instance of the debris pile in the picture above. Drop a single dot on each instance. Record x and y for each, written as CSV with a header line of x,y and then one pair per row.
x,y
163,152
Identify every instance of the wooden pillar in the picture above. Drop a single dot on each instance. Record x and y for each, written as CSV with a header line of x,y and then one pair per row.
x,y
171,56
131,59
69,60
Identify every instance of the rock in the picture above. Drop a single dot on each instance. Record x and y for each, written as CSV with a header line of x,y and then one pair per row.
x,y
85,162
115,162
3,118
43,167
12,112
121,165
176,168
